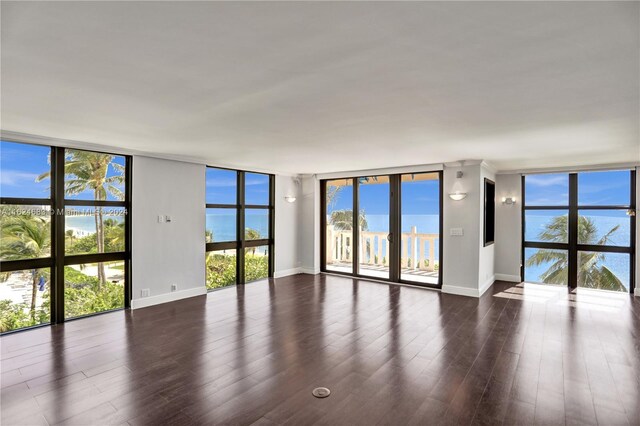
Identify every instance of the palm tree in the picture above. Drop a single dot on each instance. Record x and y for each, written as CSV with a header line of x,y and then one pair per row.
x,y
86,170
69,235
26,237
590,271
342,220
252,234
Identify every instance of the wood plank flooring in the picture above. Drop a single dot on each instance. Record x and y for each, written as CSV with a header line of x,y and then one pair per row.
x,y
391,355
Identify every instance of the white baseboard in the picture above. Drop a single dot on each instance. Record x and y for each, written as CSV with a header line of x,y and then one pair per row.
x,y
167,297
309,271
287,272
507,277
487,285
460,291
467,291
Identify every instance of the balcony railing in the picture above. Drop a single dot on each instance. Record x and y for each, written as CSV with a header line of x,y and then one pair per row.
x,y
417,253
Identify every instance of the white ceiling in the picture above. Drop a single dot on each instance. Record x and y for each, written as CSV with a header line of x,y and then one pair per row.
x,y
325,87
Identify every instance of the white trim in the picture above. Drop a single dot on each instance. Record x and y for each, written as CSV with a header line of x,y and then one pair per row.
x,y
507,277
460,291
420,168
466,291
167,297
310,271
287,272
487,285
11,136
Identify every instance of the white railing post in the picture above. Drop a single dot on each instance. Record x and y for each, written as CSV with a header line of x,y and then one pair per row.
x,y
432,255
414,247
330,244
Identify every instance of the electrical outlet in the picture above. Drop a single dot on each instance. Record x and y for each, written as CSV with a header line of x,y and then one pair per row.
x,y
456,232
174,287
145,292
160,218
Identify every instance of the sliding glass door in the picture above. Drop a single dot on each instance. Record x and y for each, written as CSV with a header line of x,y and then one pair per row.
x,y
420,223
338,228
578,229
65,234
396,234
373,226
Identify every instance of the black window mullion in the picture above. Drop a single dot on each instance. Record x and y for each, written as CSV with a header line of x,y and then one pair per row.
x,y
272,225
26,201
355,235
57,242
240,279
573,231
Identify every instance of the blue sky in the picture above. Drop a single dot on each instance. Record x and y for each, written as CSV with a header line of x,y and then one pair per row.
x,y
418,198
21,164
594,188
222,186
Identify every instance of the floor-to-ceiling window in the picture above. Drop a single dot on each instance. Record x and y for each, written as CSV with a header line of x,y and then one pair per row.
x,y
239,227
396,233
578,229
64,245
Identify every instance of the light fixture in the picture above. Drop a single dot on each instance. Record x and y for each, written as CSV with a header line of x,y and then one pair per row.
x,y
457,196
508,200
290,199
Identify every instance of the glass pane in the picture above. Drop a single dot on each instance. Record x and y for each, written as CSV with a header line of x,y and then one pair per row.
x,y
94,230
93,288
94,176
256,263
420,222
220,225
547,189
25,232
256,222
550,226
604,227
222,186
221,268
24,170
604,271
607,188
24,298
546,266
256,189
373,219
339,234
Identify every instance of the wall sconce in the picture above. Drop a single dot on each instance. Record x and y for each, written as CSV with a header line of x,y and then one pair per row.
x,y
508,200
457,196
290,199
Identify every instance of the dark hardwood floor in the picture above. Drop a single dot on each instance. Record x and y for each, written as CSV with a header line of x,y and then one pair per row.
x,y
393,355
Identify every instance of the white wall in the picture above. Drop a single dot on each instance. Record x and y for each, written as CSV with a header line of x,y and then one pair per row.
x,y
486,274
309,225
167,253
508,228
461,253
287,260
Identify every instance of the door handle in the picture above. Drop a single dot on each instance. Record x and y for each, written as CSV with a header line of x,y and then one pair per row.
x,y
390,238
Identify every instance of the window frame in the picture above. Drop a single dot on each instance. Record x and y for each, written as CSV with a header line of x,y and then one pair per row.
x,y
241,243
395,219
58,258
572,247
